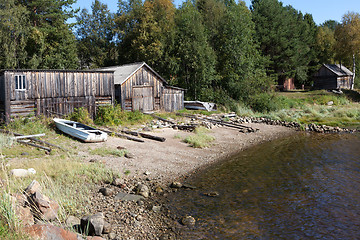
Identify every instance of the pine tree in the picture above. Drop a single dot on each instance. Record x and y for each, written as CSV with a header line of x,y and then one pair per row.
x,y
51,43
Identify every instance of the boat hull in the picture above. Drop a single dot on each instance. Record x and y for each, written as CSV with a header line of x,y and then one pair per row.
x,y
80,131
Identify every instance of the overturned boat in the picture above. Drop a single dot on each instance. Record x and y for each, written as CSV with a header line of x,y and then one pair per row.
x,y
80,131
198,105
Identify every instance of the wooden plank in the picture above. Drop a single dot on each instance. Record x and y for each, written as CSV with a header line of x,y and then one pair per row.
x,y
34,145
29,136
122,135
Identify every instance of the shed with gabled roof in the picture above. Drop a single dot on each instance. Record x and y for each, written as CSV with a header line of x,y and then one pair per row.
x,y
139,87
333,76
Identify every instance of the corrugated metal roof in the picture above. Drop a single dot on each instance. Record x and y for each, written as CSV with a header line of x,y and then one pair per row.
x,y
124,72
339,70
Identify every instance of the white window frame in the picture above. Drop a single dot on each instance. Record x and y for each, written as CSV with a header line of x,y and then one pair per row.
x,y
20,82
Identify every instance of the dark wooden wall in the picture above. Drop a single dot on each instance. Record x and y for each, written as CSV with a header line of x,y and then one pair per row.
x,y
2,97
57,92
145,91
326,79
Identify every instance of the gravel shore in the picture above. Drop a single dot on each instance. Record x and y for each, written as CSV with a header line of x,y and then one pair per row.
x,y
156,165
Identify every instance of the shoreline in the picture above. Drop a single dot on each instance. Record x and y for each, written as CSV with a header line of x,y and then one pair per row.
x,y
173,159
156,165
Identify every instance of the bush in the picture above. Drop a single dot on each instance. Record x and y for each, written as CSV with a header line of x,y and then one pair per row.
x,y
114,116
81,115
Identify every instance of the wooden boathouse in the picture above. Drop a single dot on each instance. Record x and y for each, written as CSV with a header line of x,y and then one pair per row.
x,y
53,92
333,76
139,87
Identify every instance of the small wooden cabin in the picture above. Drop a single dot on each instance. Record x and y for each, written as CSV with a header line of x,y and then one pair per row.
x,y
333,76
53,92
139,87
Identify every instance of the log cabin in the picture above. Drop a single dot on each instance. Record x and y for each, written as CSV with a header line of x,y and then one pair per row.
x,y
139,87
53,92
333,76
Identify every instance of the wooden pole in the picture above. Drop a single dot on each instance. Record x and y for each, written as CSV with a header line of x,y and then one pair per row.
x,y
122,136
34,145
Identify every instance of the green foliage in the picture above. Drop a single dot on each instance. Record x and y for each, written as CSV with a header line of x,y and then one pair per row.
x,y
113,116
196,59
266,102
286,37
14,28
95,35
81,115
200,139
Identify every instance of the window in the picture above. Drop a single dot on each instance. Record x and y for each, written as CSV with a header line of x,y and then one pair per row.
x,y
20,82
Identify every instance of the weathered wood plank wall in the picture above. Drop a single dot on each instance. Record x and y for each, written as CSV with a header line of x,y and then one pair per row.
x,y
173,99
145,78
58,92
2,97
145,91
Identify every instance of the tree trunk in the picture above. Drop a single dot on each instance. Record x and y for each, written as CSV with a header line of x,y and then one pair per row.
x,y
354,69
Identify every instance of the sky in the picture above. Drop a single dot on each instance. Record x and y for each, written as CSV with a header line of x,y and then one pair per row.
x,y
321,10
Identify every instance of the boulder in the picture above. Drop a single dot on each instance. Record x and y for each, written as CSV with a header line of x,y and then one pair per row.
x,y
93,225
107,228
32,188
106,191
142,190
44,207
24,215
72,221
22,172
188,221
175,185
49,232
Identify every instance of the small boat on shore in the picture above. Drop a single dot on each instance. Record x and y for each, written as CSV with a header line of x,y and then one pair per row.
x,y
80,131
198,105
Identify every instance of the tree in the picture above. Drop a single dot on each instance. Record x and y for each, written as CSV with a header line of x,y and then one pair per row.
x,y
146,32
325,44
240,65
95,37
286,37
13,31
51,43
196,59
347,36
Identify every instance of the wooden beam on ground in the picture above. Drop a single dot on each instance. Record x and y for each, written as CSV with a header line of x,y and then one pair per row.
x,y
144,135
34,145
34,139
29,136
122,135
162,119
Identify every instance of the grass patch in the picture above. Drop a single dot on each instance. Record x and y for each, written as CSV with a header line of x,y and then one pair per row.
x,y
199,139
108,151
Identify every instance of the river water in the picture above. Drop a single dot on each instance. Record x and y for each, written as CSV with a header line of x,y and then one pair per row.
x,y
306,186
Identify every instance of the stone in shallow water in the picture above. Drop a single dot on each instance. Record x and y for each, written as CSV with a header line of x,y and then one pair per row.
x,y
128,197
188,221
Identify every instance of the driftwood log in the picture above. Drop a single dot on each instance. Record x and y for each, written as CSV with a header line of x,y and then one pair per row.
x,y
122,135
144,135
34,145
34,139
162,119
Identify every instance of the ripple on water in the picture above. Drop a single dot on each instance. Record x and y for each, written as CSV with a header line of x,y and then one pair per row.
x,y
301,187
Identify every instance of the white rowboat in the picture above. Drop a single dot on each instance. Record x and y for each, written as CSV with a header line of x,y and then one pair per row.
x,y
80,131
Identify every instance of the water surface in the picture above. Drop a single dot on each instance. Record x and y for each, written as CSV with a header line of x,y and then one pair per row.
x,y
306,186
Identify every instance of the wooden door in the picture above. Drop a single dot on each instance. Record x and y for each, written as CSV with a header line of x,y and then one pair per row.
x,y
143,99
